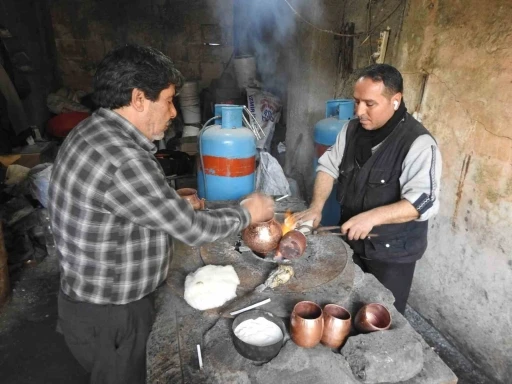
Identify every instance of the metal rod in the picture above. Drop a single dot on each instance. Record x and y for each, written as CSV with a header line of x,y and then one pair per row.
x,y
200,358
250,307
282,198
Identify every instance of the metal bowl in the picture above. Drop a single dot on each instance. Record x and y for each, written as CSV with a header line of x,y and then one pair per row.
x,y
254,352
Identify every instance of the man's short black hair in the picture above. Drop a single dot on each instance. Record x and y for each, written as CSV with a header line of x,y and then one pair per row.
x,y
129,67
386,73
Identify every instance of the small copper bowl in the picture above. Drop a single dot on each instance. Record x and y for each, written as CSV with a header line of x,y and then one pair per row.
x,y
372,317
263,237
337,322
190,194
306,324
292,245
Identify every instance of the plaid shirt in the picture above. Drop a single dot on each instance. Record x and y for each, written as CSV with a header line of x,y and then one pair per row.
x,y
112,212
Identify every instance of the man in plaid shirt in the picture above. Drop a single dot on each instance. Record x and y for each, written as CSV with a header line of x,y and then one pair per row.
x,y
113,215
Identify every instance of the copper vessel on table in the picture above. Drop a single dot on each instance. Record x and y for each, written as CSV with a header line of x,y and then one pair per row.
x,y
190,194
337,323
306,324
263,237
372,317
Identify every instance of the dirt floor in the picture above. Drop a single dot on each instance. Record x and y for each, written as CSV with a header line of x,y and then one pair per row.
x,y
32,352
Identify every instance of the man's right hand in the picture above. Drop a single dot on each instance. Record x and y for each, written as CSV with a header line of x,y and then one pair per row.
x,y
260,207
311,213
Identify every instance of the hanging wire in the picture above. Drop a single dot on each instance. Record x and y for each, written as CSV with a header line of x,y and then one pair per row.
x,y
314,26
344,34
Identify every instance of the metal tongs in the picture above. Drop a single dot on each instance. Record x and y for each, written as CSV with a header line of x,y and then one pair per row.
x,y
307,229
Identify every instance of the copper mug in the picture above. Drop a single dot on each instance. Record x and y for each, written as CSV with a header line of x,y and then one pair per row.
x,y
306,324
337,322
292,245
190,194
372,317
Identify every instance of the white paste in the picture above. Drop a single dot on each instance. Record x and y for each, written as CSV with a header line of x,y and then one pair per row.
x,y
259,332
211,286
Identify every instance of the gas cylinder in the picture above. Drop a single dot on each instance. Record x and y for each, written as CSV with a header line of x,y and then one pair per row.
x,y
337,113
228,156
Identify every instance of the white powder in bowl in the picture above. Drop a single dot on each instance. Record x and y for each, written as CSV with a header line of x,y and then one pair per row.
x,y
260,332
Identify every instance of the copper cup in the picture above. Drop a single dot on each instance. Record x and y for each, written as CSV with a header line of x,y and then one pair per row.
x,y
190,194
372,317
306,324
337,322
292,245
263,237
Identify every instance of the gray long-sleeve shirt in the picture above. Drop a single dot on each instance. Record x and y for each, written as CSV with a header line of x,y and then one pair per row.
x,y
421,170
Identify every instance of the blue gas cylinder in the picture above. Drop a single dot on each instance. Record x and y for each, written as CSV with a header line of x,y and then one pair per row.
x,y
228,156
337,113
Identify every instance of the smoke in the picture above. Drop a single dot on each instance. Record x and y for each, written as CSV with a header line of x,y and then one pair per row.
x,y
269,31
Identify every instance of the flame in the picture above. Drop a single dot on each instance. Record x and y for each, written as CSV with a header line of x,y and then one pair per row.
x,y
289,222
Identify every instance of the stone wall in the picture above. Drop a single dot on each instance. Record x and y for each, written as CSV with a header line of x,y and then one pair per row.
x,y
463,284
86,30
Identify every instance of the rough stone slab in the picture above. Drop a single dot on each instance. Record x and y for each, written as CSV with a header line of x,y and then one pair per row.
x,y
293,364
384,356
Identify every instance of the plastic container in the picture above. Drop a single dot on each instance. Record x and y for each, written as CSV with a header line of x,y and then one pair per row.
x,y
245,71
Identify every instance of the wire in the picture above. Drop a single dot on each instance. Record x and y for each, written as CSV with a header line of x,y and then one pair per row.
x,y
388,16
315,27
344,34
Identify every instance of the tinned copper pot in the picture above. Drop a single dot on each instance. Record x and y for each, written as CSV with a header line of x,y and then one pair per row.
x,y
337,322
372,317
306,324
190,194
292,245
263,237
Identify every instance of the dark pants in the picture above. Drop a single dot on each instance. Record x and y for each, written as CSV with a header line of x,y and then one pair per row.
x,y
109,341
397,277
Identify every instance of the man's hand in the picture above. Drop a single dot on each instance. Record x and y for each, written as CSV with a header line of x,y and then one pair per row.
x,y
358,227
311,213
260,207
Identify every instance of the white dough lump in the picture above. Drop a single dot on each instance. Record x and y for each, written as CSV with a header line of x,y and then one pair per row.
x,y
211,286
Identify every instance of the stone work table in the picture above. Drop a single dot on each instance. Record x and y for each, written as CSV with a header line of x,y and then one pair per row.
x,y
390,356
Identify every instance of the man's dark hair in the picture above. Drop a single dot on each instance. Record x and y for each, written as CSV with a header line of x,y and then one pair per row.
x,y
386,73
129,67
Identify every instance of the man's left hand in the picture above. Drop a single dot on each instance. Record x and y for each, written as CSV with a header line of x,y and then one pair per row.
x,y
358,227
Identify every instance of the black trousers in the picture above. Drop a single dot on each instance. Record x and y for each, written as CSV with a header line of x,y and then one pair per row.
x,y
397,277
109,341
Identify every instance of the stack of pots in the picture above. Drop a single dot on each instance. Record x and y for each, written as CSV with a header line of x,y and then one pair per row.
x,y
189,101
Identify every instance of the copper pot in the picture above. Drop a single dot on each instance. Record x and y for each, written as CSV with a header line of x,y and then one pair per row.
x,y
263,237
292,245
306,324
372,317
190,194
337,322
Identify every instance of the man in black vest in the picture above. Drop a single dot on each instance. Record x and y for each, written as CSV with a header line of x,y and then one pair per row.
x,y
388,169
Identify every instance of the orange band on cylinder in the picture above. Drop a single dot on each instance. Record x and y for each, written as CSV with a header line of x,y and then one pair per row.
x,y
220,166
320,149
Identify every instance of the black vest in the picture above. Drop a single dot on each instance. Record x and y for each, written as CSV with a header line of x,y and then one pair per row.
x,y
377,183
